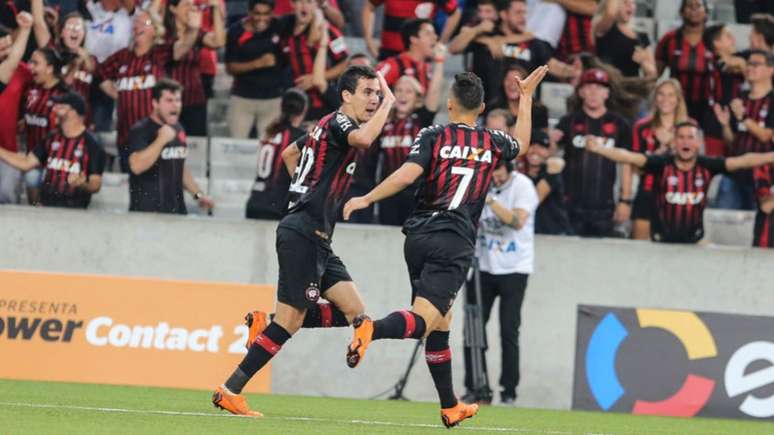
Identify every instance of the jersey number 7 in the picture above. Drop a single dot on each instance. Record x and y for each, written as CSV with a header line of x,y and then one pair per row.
x,y
467,175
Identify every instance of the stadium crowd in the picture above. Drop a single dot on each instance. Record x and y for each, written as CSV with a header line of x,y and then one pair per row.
x,y
688,101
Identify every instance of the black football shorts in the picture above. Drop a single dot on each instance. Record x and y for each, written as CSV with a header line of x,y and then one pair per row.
x,y
306,269
438,264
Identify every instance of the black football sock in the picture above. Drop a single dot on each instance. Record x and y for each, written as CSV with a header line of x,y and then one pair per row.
x,y
438,357
265,346
324,315
399,324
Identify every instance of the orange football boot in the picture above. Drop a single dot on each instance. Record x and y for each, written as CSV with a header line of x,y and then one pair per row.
x,y
453,416
364,332
233,403
256,321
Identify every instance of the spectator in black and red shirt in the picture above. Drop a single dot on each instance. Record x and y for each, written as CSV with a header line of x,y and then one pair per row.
x,y
688,59
157,152
654,135
763,232
253,58
396,13
39,118
420,38
130,74
545,171
617,42
590,179
300,41
752,129
187,71
269,197
414,110
682,181
726,80
577,36
71,158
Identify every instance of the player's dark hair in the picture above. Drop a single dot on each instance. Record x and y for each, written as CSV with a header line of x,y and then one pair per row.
x,y
52,58
294,103
165,84
766,55
504,5
468,90
353,74
251,4
711,34
764,24
411,28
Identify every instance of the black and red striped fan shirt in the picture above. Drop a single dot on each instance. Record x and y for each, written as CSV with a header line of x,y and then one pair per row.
x,y
398,136
81,81
577,36
134,77
395,67
458,161
689,64
724,86
763,235
322,177
681,197
59,157
645,142
38,113
590,178
760,110
397,12
187,71
270,190
300,55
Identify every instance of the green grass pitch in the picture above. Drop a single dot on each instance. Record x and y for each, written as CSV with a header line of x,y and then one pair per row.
x,y
60,408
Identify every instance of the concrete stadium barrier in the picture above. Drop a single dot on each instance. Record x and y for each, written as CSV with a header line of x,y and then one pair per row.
x,y
569,271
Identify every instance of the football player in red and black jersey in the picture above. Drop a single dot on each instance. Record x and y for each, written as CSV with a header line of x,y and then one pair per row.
x,y
322,163
454,164
682,181
70,157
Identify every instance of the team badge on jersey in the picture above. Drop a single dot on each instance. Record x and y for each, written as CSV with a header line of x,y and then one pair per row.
x,y
312,293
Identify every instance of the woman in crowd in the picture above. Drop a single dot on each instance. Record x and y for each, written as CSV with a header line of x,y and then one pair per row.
x,y
509,100
618,43
187,70
78,65
654,135
45,66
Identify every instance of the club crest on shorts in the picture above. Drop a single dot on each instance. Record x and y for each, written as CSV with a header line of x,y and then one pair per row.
x,y
312,292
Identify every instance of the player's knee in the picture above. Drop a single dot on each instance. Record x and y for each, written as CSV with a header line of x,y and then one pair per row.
x,y
290,318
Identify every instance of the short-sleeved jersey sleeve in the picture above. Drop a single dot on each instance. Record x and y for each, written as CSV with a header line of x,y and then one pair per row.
x,y
507,145
300,141
716,165
138,140
656,163
108,70
96,156
525,195
422,149
337,47
340,127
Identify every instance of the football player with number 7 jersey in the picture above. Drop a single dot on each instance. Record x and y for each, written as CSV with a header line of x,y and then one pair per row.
x,y
323,163
455,163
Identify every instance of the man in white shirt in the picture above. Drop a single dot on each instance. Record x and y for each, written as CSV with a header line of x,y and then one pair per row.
x,y
505,252
110,28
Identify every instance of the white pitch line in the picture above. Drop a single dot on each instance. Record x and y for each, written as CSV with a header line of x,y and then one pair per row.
x,y
311,419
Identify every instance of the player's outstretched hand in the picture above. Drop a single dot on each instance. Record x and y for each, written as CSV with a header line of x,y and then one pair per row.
x,y
389,98
528,85
354,204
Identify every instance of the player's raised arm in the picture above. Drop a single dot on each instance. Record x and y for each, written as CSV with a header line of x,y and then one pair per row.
x,y
367,133
620,155
527,87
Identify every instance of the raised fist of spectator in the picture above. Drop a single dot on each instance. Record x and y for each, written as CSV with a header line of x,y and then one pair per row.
x,y
166,133
485,26
24,20
554,165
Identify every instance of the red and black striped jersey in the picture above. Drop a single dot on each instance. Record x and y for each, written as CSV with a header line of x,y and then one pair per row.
x,y
134,77
397,12
764,222
38,113
681,197
270,190
577,36
81,81
322,177
187,71
761,111
395,67
590,178
300,54
458,161
645,141
397,137
59,157
724,86
689,64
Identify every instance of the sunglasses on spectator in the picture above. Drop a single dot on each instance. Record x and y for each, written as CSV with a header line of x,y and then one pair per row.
x,y
74,27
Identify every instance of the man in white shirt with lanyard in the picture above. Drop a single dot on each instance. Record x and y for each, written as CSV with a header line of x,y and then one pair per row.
x,y
505,252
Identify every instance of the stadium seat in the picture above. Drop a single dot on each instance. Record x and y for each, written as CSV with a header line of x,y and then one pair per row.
x,y
666,10
233,158
230,197
741,33
729,227
197,156
554,96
